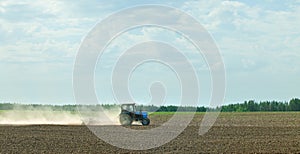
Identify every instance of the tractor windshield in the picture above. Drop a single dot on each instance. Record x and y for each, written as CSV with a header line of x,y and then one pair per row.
x,y
128,107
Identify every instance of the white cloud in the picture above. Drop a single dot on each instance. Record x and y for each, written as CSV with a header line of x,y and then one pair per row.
x,y
49,33
235,4
251,31
2,10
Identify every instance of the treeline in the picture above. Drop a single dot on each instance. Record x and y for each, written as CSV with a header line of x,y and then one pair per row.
x,y
171,108
247,106
14,106
72,108
252,106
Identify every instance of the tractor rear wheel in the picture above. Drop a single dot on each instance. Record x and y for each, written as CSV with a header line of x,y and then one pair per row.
x,y
125,120
145,121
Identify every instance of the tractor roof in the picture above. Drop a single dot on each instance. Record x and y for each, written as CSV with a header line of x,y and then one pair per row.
x,y
128,104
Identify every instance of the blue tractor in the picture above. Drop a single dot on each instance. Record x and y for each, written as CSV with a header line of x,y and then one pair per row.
x,y
129,114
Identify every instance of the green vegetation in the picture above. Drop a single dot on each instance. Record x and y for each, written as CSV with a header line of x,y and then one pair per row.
x,y
247,106
252,106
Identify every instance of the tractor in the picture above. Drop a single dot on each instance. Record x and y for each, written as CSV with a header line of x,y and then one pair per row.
x,y
129,114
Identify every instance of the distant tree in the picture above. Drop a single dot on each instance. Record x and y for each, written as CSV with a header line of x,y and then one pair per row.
x,y
294,104
201,109
252,106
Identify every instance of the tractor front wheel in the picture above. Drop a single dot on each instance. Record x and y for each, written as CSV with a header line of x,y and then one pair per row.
x,y
145,121
125,120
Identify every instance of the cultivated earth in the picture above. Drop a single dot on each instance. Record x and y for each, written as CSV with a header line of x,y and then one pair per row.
x,y
232,132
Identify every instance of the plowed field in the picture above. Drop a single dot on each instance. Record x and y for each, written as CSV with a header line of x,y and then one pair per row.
x,y
232,132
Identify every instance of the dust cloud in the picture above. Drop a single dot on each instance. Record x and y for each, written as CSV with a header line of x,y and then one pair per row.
x,y
105,117
47,116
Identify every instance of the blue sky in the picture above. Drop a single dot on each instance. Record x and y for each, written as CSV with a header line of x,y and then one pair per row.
x,y
258,40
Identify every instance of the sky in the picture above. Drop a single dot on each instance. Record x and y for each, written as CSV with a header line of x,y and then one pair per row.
x,y
259,42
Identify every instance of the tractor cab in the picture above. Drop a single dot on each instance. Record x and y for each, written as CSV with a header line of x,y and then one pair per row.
x,y
128,108
129,114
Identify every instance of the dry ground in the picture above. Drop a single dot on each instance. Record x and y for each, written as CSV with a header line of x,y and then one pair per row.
x,y
233,132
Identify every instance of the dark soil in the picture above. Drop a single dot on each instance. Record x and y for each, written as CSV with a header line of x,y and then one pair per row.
x,y
232,133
